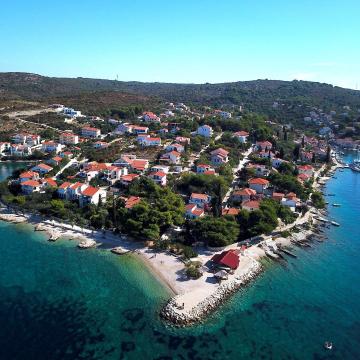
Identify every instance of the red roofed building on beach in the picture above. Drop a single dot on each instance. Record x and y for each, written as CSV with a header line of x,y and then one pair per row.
x,y
229,259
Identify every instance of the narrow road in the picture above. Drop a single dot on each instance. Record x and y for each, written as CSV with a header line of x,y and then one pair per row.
x,y
241,164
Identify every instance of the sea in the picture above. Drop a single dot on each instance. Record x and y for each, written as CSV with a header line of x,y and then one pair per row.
x,y
58,302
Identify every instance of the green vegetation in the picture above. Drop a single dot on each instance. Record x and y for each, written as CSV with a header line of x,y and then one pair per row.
x,y
193,269
318,200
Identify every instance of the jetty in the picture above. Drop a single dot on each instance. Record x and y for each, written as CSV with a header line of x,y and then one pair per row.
x,y
287,252
119,250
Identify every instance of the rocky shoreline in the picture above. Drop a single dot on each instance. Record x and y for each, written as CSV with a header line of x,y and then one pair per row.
x,y
172,313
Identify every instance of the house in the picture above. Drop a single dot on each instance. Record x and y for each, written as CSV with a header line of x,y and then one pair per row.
x,y
201,200
192,211
259,185
172,157
242,136
92,195
290,200
71,112
131,201
230,211
24,138
260,170
150,117
175,147
182,140
30,186
162,168
67,154
306,156
219,156
306,169
229,259
90,132
74,191
159,177
20,150
113,173
205,131
251,205
55,161
42,169
138,130
100,145
62,190
277,196
264,145
69,138
266,154
276,162
123,129
303,178
126,180
203,168
225,114
131,162
244,194
49,182
51,146
147,140
28,175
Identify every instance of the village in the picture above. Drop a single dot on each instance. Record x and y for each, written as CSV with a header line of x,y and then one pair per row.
x,y
190,192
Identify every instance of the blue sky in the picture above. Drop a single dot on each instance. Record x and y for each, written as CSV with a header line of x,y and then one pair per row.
x,y
184,40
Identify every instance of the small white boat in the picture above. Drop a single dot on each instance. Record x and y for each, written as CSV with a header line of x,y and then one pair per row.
x,y
328,345
87,244
336,205
119,250
335,223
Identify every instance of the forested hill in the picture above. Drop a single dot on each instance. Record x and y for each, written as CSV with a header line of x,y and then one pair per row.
x,y
256,95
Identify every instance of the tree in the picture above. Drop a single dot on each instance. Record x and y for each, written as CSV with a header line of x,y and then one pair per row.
x,y
328,154
296,152
318,200
281,153
215,232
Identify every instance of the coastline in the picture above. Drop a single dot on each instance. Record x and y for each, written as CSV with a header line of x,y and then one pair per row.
x,y
190,300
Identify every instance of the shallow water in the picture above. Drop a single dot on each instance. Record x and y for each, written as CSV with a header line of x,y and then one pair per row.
x,y
57,302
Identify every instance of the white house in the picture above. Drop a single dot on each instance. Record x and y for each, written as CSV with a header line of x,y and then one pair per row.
x,y
204,168
30,186
24,138
225,114
28,175
20,150
159,177
71,112
92,195
172,157
147,140
162,168
200,200
42,169
100,145
69,138
150,117
4,146
290,200
242,136
264,145
219,156
306,169
175,147
259,185
193,211
276,162
205,131
251,205
51,146
90,132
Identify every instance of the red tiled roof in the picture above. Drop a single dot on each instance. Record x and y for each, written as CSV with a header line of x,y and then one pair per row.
x,y
241,133
51,182
90,191
244,192
129,177
259,181
132,201
158,173
227,258
220,151
28,174
254,204
31,183
44,166
199,196
76,185
89,128
230,211
64,185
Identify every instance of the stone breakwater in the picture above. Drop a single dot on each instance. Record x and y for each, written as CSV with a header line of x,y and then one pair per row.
x,y
176,315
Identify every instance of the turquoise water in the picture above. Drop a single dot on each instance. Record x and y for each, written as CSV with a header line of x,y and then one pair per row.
x,y
57,302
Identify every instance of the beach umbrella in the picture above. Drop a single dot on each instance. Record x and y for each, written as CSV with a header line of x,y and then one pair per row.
x,y
222,274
